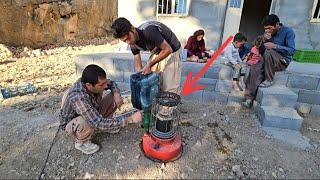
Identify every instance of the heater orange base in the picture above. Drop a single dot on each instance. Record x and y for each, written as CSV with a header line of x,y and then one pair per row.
x,y
163,150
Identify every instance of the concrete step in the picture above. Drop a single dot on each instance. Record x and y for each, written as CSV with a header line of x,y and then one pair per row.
x,y
303,76
119,64
276,95
308,96
293,138
209,84
281,78
301,81
279,117
207,97
224,86
235,98
304,68
215,71
115,64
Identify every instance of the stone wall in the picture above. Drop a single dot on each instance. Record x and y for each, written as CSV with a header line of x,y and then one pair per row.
x,y
36,23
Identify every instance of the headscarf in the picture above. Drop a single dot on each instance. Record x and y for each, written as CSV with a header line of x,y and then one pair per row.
x,y
198,33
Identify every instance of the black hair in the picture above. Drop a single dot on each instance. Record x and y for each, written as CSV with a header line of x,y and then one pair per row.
x,y
270,20
120,27
239,37
258,41
92,73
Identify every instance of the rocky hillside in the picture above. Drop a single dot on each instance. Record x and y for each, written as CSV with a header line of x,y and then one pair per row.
x,y
36,23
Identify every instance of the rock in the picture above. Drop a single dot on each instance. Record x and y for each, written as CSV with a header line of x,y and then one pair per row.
x,y
268,137
65,9
238,152
120,157
226,118
24,54
42,176
211,170
88,176
189,169
281,170
303,108
71,165
274,174
198,144
237,171
5,53
163,166
36,52
183,176
138,156
43,22
69,148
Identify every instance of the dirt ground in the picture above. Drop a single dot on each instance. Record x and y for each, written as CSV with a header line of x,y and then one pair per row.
x,y
219,141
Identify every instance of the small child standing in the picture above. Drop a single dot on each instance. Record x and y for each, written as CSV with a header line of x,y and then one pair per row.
x,y
233,59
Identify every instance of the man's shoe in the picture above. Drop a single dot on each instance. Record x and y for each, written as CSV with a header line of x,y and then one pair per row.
x,y
266,84
247,103
87,147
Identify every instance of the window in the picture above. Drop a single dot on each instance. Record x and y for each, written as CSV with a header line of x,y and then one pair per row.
x,y
173,7
235,3
315,11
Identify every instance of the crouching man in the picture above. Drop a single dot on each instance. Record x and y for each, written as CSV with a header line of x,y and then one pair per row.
x,y
86,110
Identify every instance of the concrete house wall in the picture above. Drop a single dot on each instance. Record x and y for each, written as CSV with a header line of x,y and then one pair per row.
x,y
297,14
205,14
210,16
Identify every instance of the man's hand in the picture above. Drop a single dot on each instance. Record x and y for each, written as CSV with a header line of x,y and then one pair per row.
x,y
136,117
146,69
238,66
245,58
118,99
270,45
194,58
267,36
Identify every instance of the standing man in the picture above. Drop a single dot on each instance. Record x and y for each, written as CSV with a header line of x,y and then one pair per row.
x,y
278,47
163,44
85,110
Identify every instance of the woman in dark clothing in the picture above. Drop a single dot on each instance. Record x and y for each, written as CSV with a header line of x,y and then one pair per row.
x,y
196,46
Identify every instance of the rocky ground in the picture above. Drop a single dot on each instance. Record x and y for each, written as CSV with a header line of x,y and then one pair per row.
x,y
219,141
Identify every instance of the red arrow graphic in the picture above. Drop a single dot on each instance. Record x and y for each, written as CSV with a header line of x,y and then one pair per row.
x,y
190,83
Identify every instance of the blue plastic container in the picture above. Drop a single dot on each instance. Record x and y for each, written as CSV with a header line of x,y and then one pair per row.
x,y
144,89
184,54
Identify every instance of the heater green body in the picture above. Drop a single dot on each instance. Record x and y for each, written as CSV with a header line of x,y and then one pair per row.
x,y
146,120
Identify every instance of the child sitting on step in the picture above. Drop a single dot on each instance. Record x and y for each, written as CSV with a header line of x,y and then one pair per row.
x,y
255,56
233,59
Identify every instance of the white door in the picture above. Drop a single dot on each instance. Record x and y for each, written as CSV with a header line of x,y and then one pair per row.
x,y
233,18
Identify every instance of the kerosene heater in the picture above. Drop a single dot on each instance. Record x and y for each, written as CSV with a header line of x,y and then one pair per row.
x,y
161,141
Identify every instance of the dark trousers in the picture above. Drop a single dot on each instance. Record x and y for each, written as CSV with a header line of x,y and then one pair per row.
x,y
264,70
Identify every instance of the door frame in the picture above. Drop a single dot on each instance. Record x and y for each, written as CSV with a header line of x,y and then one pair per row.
x,y
231,29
